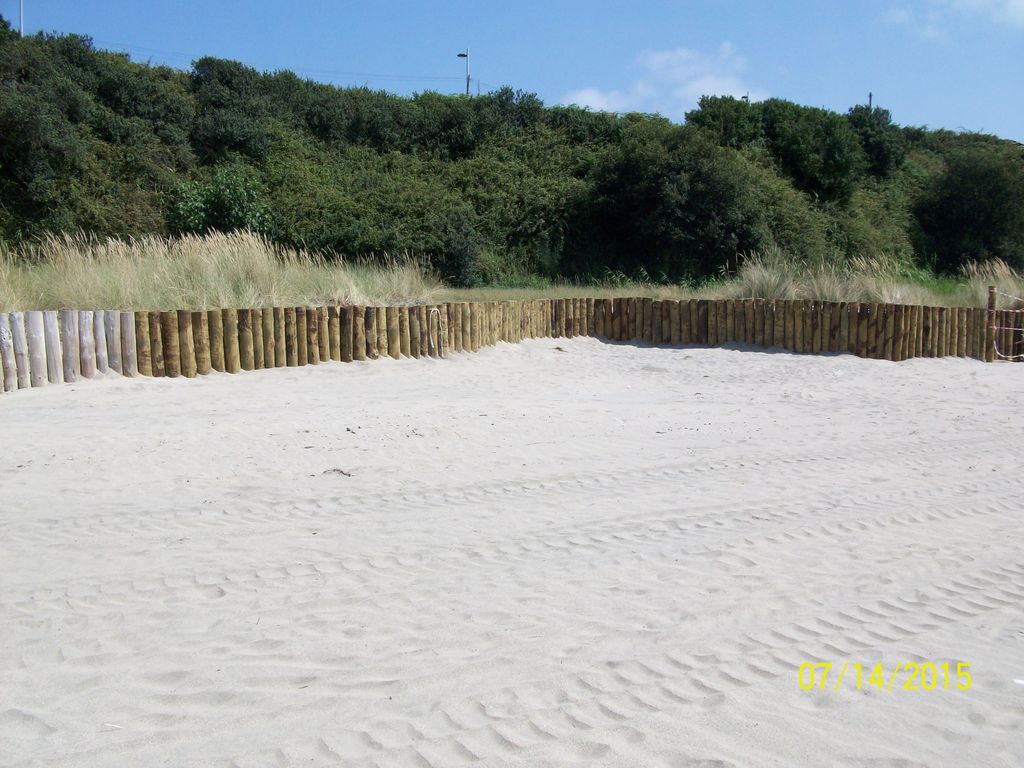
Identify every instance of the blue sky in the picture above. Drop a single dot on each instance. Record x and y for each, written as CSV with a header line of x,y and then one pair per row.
x,y
955,64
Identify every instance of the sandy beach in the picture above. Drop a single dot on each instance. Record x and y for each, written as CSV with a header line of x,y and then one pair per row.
x,y
564,552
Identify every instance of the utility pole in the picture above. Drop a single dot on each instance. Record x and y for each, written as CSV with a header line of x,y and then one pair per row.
x,y
465,56
21,18
870,98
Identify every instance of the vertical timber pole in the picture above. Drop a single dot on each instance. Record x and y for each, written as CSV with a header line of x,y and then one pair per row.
x,y
990,326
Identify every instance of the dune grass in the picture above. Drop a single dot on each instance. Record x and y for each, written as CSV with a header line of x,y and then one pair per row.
x,y
242,269
773,276
876,280
196,272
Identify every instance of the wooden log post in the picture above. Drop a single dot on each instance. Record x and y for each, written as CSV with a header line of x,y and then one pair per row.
x,y
773,324
848,327
455,313
924,330
1004,335
467,331
731,324
36,343
186,344
404,333
943,334
853,314
647,320
815,321
156,344
371,333
129,345
269,338
324,331
70,341
171,345
201,338
422,315
7,361
959,320
918,322
232,348
889,311
97,339
280,338
301,336
90,348
359,333
699,320
382,331
874,318
112,333
246,357
901,329
432,322
346,332
897,332
474,328
414,333
258,363
215,330
714,331
951,328
291,337
312,336
653,310
685,322
784,309
836,338
394,332
54,358
971,332
143,346
334,332
758,336
21,359
8,367
451,314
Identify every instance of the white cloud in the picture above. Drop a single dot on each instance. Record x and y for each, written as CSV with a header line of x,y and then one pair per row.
x,y
672,82
1000,11
935,18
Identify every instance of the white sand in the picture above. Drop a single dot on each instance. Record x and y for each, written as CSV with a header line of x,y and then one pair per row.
x,y
606,555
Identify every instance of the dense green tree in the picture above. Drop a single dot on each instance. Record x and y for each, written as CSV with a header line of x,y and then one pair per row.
x,y
233,198
975,210
884,143
491,188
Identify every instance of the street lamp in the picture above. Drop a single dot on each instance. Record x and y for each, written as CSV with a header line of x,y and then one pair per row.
x,y
466,57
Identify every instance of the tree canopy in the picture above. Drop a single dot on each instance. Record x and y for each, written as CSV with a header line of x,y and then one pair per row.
x,y
496,188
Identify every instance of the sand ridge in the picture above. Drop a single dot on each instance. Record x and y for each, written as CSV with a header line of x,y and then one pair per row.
x,y
554,553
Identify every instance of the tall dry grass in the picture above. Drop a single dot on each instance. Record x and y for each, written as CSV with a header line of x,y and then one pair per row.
x,y
240,269
876,280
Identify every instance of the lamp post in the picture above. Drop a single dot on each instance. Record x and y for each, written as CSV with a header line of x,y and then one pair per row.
x,y
465,56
